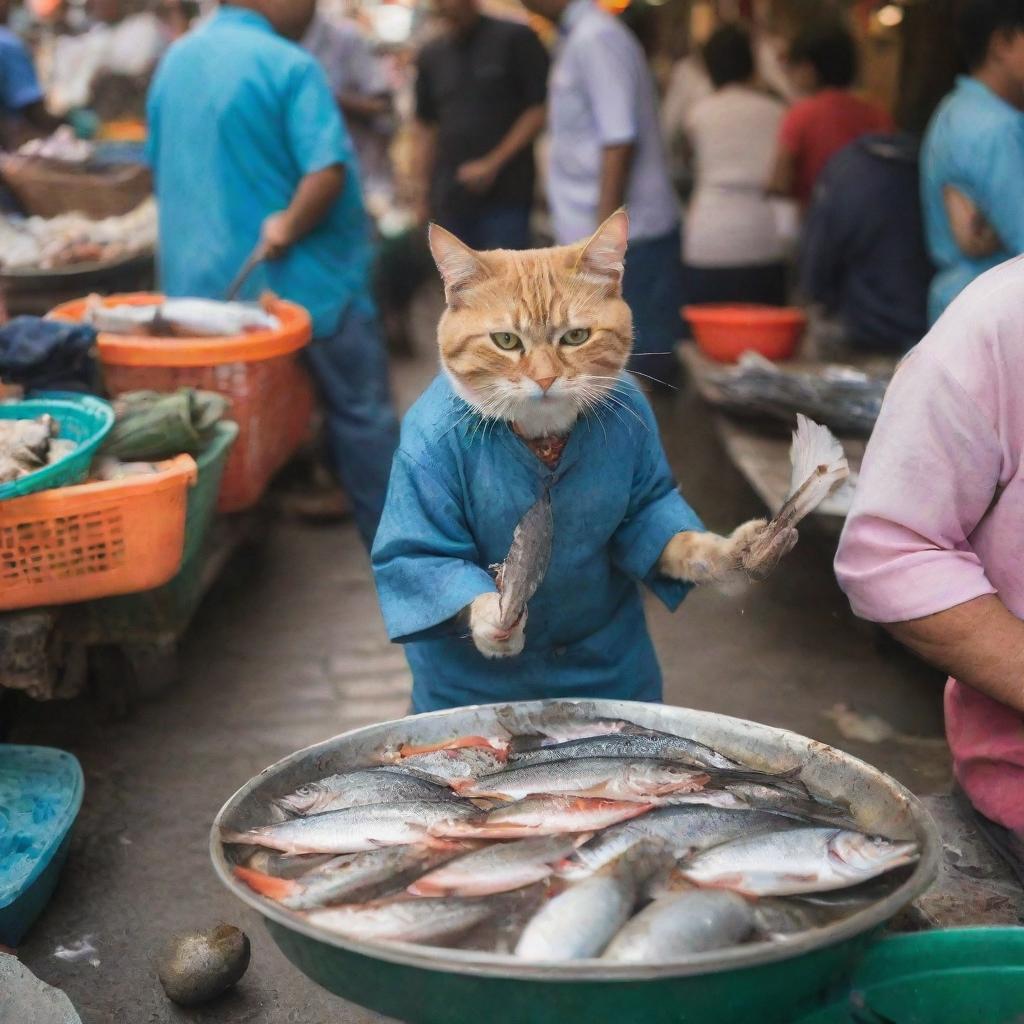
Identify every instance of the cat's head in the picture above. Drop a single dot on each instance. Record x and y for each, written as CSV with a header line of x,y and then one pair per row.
x,y
535,337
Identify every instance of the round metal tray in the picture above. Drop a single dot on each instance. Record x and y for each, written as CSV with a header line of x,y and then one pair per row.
x,y
428,984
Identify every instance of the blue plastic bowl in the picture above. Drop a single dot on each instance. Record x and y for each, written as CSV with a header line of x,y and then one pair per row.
x,y
84,419
40,795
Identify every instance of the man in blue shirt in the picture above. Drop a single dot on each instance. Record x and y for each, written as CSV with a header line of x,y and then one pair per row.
x,y
974,148
21,98
247,148
605,152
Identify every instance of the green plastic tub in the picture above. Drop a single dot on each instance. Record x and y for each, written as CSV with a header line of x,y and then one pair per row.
x,y
84,419
163,613
952,976
40,795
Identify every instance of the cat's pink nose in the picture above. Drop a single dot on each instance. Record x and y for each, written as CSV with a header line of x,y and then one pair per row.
x,y
545,382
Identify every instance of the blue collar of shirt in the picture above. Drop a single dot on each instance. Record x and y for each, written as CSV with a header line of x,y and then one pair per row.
x,y
573,15
228,13
971,85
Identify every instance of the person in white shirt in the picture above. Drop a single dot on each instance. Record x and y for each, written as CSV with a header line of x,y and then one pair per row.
x,y
734,250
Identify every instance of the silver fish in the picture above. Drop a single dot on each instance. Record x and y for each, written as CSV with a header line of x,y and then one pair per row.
x,y
797,861
779,917
610,777
526,563
660,746
499,867
682,923
382,785
579,922
447,766
285,865
186,317
408,919
684,830
351,878
542,816
357,828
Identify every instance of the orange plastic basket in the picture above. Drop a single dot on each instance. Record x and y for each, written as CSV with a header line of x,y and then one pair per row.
x,y
259,372
725,332
91,540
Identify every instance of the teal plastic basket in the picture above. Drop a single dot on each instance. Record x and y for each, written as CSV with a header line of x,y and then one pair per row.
x,y
40,795
84,419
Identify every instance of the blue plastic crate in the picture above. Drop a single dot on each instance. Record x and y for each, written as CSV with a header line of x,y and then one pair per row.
x,y
40,795
84,419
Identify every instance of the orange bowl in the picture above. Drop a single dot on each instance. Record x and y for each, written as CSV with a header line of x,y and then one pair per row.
x,y
725,332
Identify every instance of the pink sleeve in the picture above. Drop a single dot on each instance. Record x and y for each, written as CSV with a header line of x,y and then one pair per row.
x,y
930,473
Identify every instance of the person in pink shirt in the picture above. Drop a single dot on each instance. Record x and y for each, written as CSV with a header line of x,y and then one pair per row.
x,y
934,544
822,66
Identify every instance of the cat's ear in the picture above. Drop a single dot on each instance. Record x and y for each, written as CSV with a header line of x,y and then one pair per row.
x,y
460,266
604,255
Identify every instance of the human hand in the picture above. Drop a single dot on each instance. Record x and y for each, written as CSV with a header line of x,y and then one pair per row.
x,y
973,234
277,235
477,175
491,640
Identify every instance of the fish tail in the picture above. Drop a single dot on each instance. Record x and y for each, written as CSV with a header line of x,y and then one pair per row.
x,y
244,838
267,885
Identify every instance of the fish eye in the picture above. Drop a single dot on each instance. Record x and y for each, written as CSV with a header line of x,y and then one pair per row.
x,y
506,341
576,336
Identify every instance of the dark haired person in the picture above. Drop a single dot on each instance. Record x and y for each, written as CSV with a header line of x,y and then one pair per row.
x,y
973,155
733,250
822,65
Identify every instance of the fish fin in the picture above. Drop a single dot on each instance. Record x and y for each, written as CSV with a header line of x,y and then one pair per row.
x,y
243,838
424,887
500,747
266,885
441,843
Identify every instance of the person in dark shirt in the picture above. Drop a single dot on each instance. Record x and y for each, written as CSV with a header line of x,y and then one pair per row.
x,y
863,255
480,92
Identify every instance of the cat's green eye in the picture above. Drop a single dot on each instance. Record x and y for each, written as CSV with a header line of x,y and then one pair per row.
x,y
576,336
506,341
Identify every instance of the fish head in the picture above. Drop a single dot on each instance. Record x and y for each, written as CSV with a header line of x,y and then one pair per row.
x,y
305,800
860,854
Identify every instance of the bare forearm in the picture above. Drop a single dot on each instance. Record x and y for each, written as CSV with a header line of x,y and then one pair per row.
x,y
615,163
980,643
363,108
424,147
313,199
522,133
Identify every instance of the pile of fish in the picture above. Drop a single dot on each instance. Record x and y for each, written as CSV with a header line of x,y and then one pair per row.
x,y
179,318
846,399
53,243
27,445
603,839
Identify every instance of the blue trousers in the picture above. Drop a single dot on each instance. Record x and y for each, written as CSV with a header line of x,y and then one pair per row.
x,y
496,227
652,285
350,369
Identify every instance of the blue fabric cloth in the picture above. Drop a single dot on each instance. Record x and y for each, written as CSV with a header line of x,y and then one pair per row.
x,y
19,87
975,142
494,227
863,254
602,94
652,286
458,489
351,372
48,355
237,117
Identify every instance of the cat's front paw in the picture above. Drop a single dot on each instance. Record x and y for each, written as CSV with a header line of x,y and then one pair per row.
x,y
766,549
491,640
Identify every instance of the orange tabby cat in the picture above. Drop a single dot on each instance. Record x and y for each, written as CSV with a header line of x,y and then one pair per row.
x,y
539,339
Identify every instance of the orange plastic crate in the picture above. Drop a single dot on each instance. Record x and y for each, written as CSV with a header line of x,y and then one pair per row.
x,y
270,392
91,540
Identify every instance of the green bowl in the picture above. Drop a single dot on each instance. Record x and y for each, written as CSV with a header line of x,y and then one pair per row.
x,y
953,976
762,982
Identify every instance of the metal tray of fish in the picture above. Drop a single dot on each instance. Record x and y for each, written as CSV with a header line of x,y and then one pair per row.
x,y
769,981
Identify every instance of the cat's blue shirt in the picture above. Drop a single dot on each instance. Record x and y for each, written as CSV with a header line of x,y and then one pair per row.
x,y
459,487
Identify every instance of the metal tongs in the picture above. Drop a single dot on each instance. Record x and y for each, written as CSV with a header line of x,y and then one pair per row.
x,y
254,259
